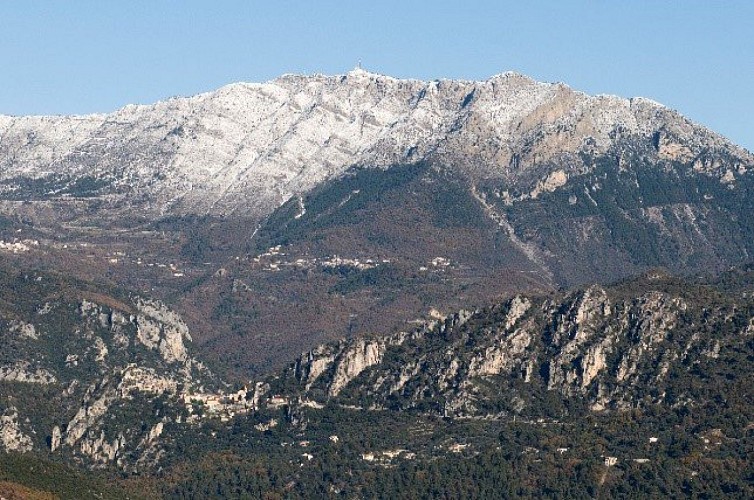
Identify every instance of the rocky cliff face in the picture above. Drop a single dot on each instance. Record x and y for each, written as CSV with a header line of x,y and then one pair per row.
x,y
12,437
97,378
247,148
602,348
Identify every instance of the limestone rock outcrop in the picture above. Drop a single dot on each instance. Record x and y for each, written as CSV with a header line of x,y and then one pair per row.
x,y
12,436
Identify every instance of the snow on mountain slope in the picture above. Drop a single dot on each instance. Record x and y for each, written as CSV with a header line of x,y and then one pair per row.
x,y
247,148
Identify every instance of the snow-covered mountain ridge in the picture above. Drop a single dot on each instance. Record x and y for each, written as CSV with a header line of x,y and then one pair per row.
x,y
247,147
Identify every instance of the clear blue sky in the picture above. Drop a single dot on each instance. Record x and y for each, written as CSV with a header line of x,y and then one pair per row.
x,y
82,56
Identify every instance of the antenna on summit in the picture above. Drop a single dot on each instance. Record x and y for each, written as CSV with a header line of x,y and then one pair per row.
x,y
358,64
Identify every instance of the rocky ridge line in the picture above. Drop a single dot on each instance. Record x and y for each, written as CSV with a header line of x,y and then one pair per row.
x,y
247,148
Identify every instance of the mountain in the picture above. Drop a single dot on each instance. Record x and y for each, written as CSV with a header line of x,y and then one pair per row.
x,y
314,207
95,375
645,342
639,388
494,280
648,378
247,148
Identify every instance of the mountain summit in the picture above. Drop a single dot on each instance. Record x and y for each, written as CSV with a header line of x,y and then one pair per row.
x,y
247,148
